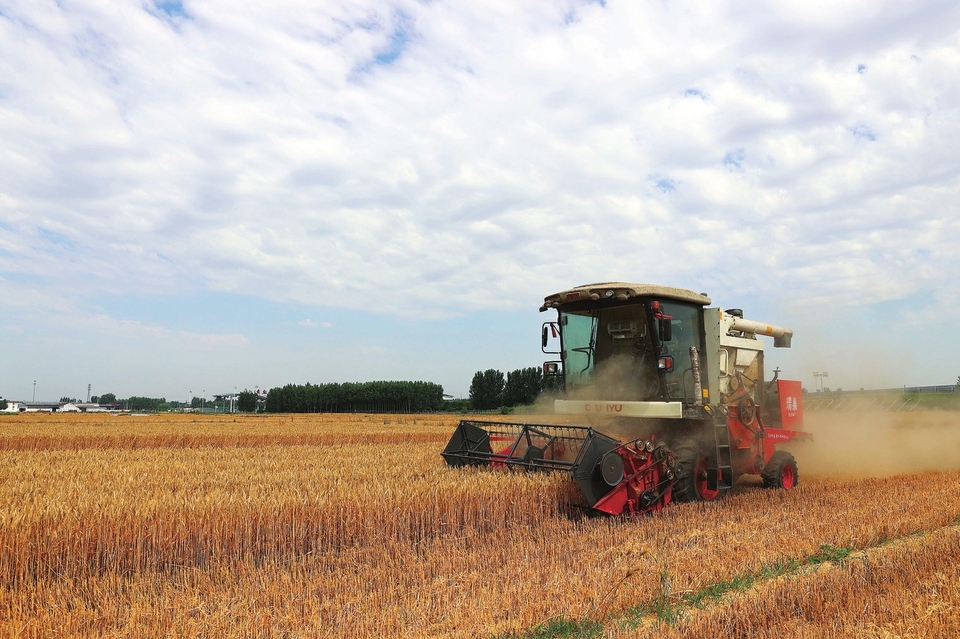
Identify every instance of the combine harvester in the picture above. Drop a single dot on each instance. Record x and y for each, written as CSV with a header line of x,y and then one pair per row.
x,y
674,395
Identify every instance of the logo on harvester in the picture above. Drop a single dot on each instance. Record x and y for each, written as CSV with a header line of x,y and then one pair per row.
x,y
792,406
602,408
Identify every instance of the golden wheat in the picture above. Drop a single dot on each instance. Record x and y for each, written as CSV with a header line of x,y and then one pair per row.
x,y
359,539
908,588
39,431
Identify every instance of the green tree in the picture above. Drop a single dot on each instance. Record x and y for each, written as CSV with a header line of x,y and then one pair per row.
x,y
523,386
456,405
486,389
108,398
146,404
365,397
3,404
247,401
553,383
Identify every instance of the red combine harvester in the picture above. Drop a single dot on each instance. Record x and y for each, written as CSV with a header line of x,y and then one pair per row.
x,y
674,395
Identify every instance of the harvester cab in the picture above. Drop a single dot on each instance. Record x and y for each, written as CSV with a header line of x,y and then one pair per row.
x,y
671,393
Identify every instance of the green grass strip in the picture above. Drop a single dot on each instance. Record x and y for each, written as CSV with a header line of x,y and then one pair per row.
x,y
669,611
560,627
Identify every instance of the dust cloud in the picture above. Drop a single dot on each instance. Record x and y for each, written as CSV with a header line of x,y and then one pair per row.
x,y
878,444
618,378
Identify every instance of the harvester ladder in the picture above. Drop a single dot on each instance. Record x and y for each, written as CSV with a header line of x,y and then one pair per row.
x,y
721,477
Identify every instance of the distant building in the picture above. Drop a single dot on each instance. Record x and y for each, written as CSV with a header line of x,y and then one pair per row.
x,y
58,407
40,407
13,407
86,407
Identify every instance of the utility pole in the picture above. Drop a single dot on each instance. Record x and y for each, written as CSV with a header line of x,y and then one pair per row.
x,y
819,377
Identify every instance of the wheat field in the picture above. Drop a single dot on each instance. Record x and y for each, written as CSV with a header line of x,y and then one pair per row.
x,y
353,526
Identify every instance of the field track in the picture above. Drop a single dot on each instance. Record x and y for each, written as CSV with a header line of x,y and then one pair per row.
x,y
352,526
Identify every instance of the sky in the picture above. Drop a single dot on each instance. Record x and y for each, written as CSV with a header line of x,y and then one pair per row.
x,y
200,195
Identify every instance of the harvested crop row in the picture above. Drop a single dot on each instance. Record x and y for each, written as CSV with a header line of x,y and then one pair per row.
x,y
909,588
52,432
134,442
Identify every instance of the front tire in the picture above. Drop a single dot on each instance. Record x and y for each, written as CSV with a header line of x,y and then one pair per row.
x,y
691,472
780,471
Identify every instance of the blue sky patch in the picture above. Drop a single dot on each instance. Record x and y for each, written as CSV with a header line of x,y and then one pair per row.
x,y
734,159
22,278
296,343
173,8
695,93
58,239
863,132
861,68
666,185
398,41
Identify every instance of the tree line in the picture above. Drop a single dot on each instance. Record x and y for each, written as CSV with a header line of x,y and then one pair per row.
x,y
134,403
358,397
491,389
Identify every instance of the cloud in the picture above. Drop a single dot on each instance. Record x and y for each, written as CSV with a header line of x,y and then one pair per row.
x,y
428,160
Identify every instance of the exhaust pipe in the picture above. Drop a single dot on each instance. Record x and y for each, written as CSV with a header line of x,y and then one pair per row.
x,y
697,384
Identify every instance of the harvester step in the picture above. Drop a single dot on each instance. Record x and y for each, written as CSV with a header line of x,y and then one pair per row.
x,y
721,477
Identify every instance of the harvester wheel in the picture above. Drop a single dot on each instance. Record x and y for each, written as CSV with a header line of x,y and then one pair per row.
x,y
780,471
691,472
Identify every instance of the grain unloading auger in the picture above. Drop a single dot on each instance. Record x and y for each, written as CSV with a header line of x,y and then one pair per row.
x,y
673,391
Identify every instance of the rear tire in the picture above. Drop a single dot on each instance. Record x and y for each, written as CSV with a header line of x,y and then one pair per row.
x,y
780,471
691,472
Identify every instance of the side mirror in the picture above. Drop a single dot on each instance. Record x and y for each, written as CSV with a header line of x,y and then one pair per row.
x,y
666,329
552,368
550,338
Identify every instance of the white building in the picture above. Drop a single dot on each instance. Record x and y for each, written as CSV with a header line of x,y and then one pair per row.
x,y
12,407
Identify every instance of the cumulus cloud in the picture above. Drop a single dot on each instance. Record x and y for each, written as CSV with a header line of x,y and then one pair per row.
x,y
472,155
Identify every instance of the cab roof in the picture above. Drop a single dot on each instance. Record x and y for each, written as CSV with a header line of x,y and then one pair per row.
x,y
622,291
